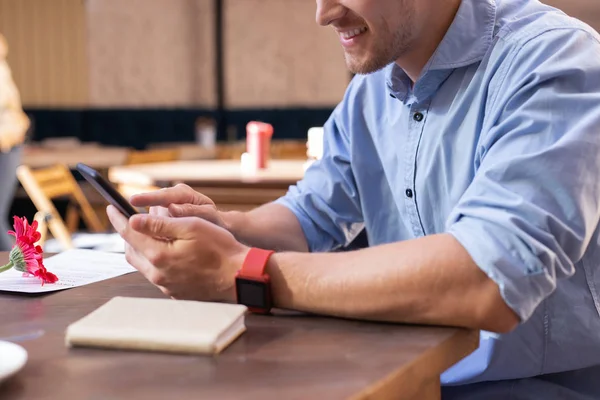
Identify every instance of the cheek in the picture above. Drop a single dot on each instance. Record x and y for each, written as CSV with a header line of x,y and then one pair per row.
x,y
395,16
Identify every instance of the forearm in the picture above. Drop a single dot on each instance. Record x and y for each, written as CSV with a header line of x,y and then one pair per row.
x,y
400,282
271,226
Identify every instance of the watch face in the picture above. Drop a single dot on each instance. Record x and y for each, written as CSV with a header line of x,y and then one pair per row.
x,y
253,293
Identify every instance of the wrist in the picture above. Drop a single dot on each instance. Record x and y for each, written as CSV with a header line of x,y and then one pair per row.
x,y
228,218
235,261
253,284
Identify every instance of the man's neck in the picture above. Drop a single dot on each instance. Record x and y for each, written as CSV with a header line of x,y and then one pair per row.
x,y
414,60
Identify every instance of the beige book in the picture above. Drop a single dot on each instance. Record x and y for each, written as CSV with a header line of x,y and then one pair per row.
x,y
177,326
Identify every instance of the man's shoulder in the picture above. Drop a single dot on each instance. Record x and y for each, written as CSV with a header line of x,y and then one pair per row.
x,y
534,21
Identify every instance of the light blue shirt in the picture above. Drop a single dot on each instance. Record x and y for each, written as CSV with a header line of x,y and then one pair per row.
x,y
498,144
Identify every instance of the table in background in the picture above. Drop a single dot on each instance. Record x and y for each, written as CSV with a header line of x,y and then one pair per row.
x,y
288,356
97,156
221,180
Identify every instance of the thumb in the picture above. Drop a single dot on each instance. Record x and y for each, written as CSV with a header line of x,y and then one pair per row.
x,y
165,227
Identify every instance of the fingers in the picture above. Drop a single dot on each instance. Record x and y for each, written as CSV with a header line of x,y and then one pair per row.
x,y
142,243
149,271
207,212
118,220
165,227
137,261
159,211
179,194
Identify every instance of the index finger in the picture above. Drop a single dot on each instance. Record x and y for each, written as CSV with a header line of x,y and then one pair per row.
x,y
179,194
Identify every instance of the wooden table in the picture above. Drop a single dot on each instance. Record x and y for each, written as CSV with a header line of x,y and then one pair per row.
x,y
287,356
99,157
221,180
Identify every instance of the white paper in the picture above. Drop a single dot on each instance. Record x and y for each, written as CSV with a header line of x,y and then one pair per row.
x,y
73,267
110,242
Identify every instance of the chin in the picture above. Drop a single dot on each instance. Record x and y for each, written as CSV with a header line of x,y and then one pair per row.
x,y
364,67
357,68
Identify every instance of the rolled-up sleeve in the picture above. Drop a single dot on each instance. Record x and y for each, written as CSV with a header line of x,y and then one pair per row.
x,y
533,205
326,201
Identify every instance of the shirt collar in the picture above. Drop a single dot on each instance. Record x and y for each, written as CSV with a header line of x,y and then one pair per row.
x,y
466,42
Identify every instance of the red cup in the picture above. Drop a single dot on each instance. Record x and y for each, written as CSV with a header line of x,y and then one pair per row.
x,y
258,142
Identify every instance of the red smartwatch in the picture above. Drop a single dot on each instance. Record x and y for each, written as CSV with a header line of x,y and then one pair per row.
x,y
252,284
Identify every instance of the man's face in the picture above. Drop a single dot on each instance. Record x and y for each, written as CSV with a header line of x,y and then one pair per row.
x,y
373,33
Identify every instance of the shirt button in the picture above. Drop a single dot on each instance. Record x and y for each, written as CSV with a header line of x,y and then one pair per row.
x,y
418,117
409,193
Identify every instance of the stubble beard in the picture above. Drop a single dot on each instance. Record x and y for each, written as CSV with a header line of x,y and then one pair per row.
x,y
387,48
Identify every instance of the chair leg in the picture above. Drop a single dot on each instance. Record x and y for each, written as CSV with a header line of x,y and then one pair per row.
x,y
42,220
72,218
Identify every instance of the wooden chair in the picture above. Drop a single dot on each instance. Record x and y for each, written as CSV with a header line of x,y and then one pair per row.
x,y
44,185
151,156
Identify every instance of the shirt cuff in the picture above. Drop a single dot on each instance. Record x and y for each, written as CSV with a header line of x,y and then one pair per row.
x,y
317,239
523,280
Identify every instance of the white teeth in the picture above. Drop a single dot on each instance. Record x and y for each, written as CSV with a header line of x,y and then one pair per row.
x,y
355,32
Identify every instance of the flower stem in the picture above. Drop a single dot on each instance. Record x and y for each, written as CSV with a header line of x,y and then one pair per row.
x,y
6,267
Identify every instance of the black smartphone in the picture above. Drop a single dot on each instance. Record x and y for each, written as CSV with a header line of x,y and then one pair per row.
x,y
106,189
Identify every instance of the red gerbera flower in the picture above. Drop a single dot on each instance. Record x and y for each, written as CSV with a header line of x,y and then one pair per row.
x,y
25,232
25,256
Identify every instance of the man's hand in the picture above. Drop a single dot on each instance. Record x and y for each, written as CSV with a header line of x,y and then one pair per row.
x,y
197,260
179,201
270,226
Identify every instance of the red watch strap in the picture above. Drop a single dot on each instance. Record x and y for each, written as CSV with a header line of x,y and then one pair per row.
x,y
255,262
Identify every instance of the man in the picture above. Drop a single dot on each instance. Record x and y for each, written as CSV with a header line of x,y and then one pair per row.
x,y
469,151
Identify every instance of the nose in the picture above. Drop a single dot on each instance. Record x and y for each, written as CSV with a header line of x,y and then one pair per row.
x,y
328,11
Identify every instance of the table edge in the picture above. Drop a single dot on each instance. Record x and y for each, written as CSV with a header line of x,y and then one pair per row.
x,y
456,347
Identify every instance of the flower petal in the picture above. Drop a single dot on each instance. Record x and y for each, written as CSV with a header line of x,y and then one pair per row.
x,y
50,277
45,276
18,225
25,232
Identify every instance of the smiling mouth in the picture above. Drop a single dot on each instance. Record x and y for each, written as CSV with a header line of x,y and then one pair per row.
x,y
347,35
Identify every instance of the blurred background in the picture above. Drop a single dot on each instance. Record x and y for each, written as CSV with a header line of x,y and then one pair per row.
x,y
101,80
132,72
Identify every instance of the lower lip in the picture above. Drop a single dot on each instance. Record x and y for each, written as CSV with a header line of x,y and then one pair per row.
x,y
352,41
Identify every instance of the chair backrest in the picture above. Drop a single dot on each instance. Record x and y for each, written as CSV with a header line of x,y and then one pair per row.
x,y
44,185
151,156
